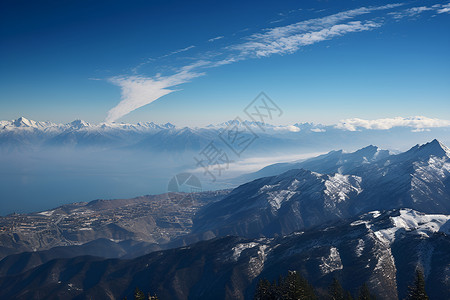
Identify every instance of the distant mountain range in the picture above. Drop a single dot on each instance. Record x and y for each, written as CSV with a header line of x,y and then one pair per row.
x,y
23,134
24,123
366,216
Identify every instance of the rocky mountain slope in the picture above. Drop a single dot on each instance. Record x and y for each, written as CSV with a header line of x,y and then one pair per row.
x,y
380,248
299,198
332,162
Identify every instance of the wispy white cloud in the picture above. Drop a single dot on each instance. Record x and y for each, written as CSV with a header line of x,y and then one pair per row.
x,y
410,12
254,164
442,8
266,45
149,60
178,51
421,130
318,130
418,123
216,38
276,21
290,128
288,39
138,91
415,11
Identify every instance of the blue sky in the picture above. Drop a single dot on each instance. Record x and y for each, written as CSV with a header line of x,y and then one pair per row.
x,y
320,61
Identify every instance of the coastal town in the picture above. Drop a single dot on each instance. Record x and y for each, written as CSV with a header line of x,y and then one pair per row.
x,y
155,219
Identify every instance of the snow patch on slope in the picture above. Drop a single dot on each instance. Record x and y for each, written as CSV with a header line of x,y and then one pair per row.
x,y
237,250
428,177
411,220
332,262
360,248
268,187
339,186
375,213
276,194
294,185
277,198
434,167
256,264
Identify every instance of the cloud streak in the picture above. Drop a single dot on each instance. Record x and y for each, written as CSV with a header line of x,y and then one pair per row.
x,y
216,38
267,45
442,8
418,123
415,11
138,91
288,39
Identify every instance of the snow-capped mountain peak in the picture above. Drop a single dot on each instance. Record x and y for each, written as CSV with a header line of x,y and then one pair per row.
x,y
433,148
445,148
23,122
369,153
168,125
78,124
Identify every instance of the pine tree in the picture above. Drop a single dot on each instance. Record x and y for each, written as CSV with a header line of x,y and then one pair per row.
x,y
154,297
308,289
417,291
336,291
138,294
348,296
295,288
281,288
364,293
263,290
291,287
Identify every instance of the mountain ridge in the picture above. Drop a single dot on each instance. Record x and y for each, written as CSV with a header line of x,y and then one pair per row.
x,y
298,198
229,267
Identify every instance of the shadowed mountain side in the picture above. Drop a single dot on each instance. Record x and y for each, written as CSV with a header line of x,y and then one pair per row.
x,y
19,263
299,199
380,248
